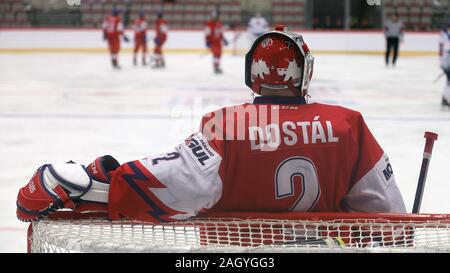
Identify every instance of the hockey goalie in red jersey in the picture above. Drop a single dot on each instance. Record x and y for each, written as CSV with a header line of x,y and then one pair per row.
x,y
277,154
112,32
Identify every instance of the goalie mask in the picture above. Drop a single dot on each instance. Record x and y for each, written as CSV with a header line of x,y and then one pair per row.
x,y
279,60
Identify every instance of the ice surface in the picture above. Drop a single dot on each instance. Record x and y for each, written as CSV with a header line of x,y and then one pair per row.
x,y
56,107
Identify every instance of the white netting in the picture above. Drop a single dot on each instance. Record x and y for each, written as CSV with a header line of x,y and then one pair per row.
x,y
243,235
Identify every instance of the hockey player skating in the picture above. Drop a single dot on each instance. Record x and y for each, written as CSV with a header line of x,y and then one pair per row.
x,y
444,54
276,154
140,38
161,29
112,32
257,26
215,39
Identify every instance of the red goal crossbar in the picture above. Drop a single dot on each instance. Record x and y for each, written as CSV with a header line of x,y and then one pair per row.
x,y
422,217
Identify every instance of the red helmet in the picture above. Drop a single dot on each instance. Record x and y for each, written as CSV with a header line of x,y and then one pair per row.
x,y
279,60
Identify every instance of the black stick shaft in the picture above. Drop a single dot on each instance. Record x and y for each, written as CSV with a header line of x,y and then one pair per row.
x,y
421,185
428,150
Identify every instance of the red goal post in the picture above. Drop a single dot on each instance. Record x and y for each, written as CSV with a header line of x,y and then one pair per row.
x,y
248,232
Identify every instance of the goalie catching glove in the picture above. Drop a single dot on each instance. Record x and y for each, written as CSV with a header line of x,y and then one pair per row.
x,y
71,186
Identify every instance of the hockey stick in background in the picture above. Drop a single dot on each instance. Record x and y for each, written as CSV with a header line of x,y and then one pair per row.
x,y
428,150
204,53
234,42
438,77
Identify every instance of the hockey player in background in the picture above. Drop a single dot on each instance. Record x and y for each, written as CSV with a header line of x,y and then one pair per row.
x,y
277,154
257,26
112,32
393,31
140,38
215,39
444,54
161,29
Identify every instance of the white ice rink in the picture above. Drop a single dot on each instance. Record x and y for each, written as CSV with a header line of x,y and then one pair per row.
x,y
57,107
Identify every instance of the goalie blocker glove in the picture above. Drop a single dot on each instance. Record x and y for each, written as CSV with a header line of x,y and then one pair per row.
x,y
71,186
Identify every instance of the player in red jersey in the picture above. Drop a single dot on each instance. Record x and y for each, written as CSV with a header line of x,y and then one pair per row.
x,y
214,40
276,154
112,31
161,29
140,38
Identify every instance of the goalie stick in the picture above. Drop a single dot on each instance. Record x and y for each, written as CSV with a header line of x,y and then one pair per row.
x,y
428,150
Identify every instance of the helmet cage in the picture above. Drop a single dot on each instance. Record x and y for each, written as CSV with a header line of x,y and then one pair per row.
x,y
302,50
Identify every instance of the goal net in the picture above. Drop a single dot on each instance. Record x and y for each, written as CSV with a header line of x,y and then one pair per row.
x,y
249,232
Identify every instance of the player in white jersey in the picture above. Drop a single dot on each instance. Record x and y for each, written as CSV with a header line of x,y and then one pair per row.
x,y
257,26
393,31
444,54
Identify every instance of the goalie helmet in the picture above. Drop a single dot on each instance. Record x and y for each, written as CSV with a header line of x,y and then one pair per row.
x,y
279,60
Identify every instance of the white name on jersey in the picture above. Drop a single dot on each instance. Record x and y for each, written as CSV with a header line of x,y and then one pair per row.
x,y
269,138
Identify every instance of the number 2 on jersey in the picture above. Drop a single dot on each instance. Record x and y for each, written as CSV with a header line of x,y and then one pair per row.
x,y
285,187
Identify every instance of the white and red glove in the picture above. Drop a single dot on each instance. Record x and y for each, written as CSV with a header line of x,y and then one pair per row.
x,y
66,186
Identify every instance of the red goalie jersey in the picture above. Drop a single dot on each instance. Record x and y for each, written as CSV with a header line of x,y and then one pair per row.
x,y
277,154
